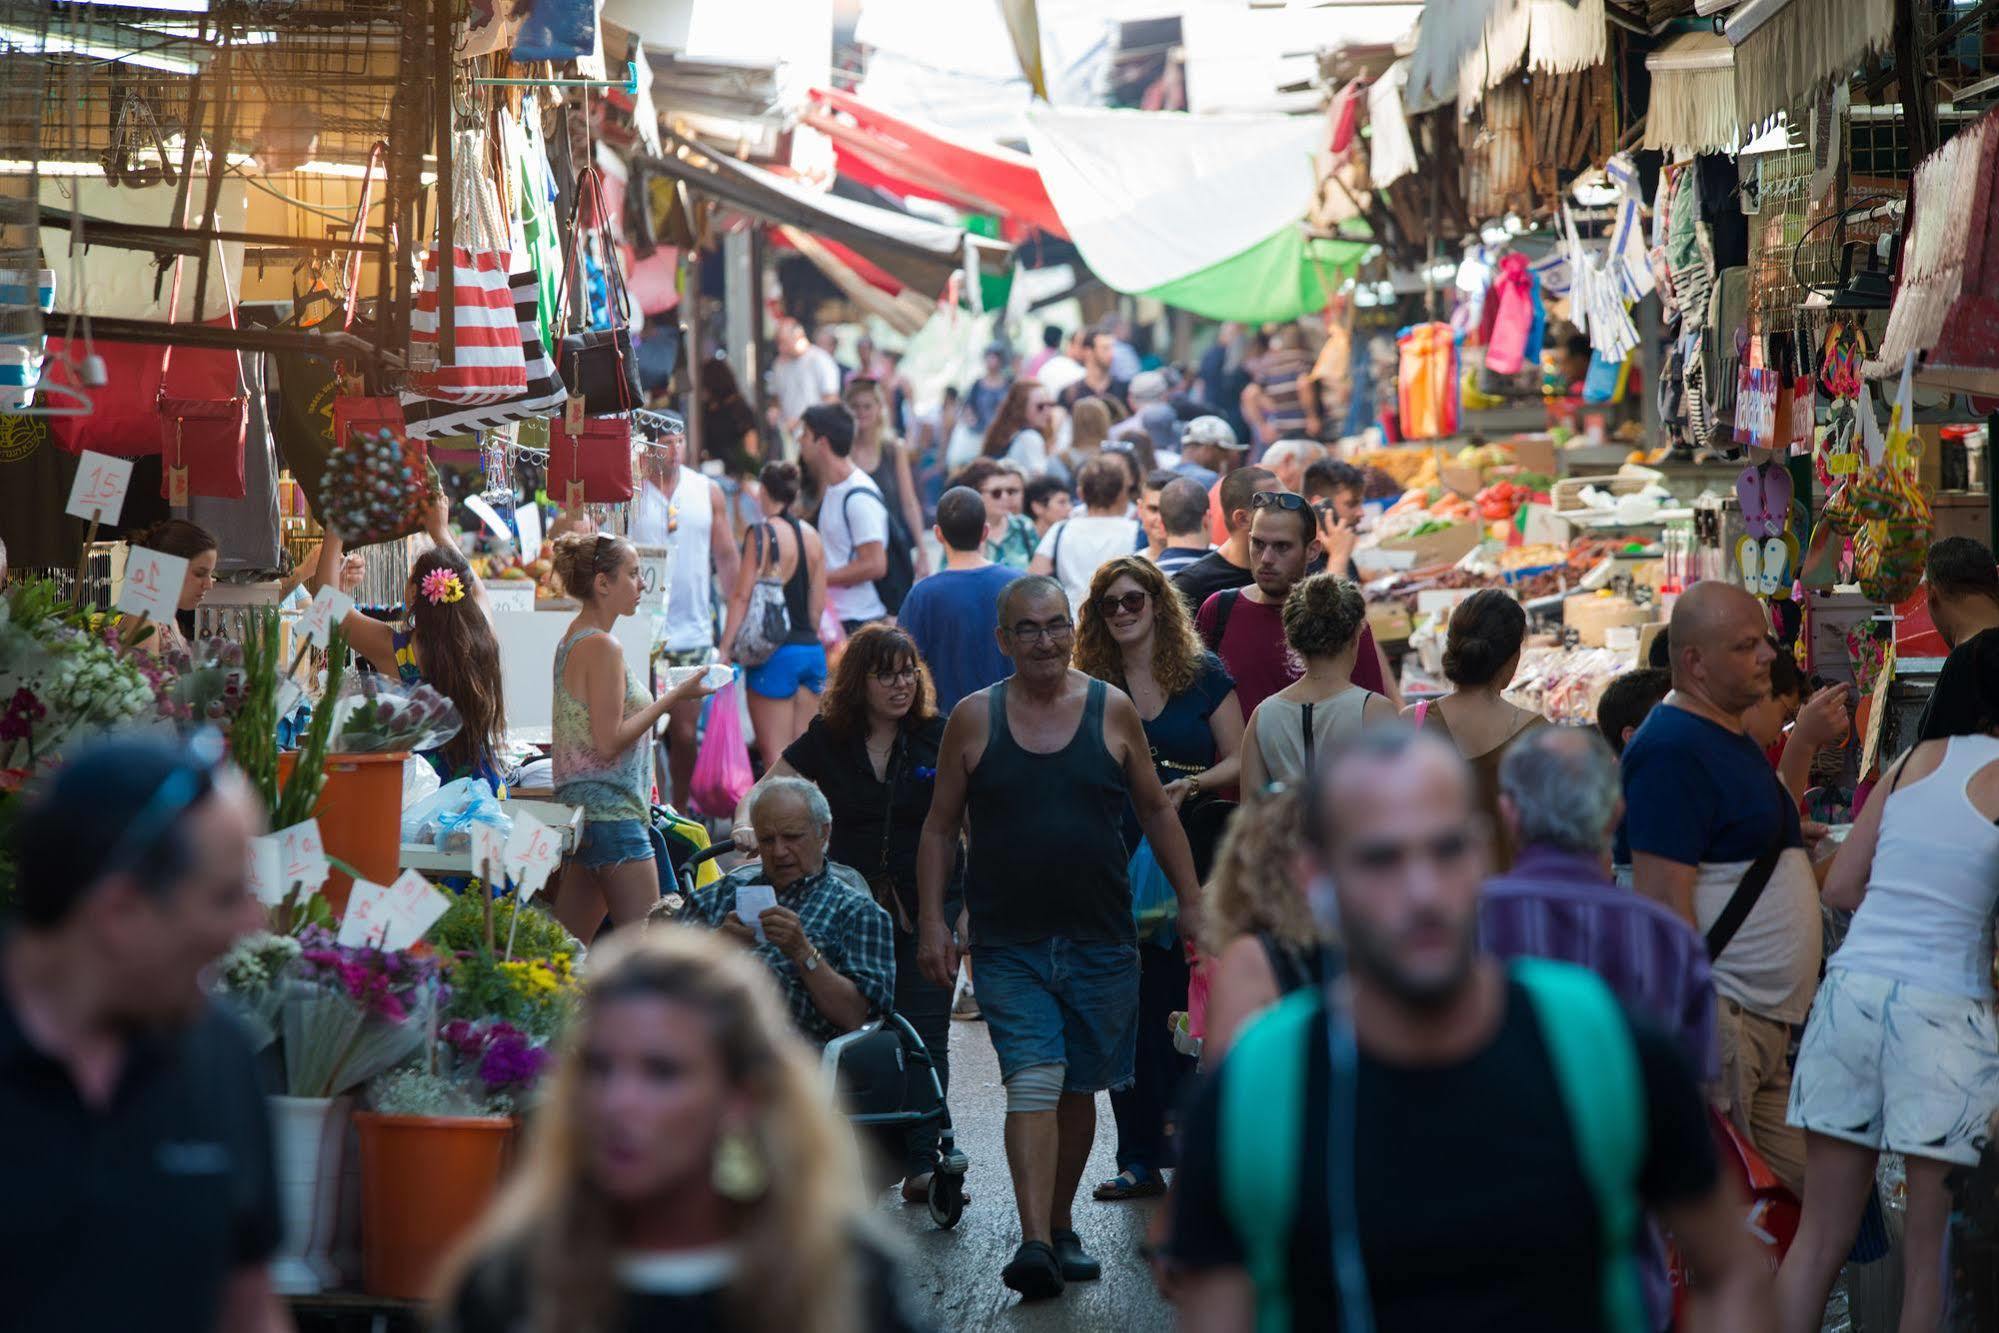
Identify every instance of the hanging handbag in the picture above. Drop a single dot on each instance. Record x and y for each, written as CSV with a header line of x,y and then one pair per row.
x,y
485,364
598,365
766,620
593,465
204,413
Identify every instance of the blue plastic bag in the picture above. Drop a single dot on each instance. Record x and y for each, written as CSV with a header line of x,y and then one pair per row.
x,y
1155,908
558,30
445,818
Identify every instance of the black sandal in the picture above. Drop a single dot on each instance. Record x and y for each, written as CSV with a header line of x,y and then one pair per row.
x,y
1134,1182
1035,1272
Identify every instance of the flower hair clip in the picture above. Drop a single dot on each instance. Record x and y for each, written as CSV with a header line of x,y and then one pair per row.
x,y
442,587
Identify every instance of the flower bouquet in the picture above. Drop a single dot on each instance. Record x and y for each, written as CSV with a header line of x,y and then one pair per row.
x,y
252,979
208,684
60,680
350,1014
381,716
532,985
487,1067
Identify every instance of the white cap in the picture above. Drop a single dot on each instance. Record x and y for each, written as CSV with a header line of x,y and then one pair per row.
x,y
1210,430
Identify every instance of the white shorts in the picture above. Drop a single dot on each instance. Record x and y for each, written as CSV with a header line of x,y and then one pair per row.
x,y
1885,1064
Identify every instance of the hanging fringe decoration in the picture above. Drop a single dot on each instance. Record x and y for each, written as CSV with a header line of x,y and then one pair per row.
x,y
1789,54
1547,36
1693,95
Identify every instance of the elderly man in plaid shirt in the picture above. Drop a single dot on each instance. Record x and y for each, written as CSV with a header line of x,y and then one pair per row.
x,y
827,941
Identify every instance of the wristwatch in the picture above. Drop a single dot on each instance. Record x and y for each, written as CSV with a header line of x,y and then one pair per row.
x,y
811,963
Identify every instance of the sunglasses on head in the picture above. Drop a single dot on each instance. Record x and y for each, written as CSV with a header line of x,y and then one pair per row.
x,y
1278,500
1130,603
185,786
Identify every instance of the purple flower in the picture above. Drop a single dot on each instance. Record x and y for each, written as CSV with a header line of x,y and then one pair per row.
x,y
511,1061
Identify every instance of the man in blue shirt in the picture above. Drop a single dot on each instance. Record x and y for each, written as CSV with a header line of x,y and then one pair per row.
x,y
953,613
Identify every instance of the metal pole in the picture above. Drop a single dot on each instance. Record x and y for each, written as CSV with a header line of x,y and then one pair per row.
x,y
690,352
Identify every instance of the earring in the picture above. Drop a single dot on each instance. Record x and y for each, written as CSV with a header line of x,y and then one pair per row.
x,y
739,1174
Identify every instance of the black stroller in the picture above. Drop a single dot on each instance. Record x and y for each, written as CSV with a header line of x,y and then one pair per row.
x,y
884,1075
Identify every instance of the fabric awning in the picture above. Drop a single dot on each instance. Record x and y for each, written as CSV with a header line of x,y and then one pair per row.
x,y
1202,212
905,312
1693,95
1786,50
1465,49
919,254
907,158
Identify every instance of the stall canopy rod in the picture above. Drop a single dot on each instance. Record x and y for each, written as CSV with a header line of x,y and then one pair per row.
x,y
629,84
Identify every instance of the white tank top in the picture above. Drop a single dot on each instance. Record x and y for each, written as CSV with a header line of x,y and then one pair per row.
x,y
1927,916
684,522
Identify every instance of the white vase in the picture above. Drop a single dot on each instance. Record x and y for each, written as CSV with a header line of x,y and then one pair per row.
x,y
309,1136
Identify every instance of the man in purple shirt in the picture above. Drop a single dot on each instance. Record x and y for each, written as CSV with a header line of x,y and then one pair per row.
x,y
1560,797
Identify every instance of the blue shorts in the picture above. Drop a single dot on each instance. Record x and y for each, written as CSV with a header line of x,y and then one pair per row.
x,y
792,667
612,842
1061,1002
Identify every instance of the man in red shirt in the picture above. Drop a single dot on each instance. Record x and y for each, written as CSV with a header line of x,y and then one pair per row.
x,y
1245,626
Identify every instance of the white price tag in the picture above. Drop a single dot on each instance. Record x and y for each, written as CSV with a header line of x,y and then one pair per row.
x,y
489,853
305,863
267,870
414,905
99,489
752,901
329,608
511,596
532,854
152,584
367,921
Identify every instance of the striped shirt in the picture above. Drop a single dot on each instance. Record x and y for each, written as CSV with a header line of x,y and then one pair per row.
x,y
1556,904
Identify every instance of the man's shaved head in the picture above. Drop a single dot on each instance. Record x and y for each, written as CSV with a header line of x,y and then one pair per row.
x,y
1719,638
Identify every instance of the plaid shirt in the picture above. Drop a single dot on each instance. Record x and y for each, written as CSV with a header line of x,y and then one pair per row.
x,y
845,923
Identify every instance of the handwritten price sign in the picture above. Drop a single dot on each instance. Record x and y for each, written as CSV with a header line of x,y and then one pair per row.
x,y
329,607
304,856
392,917
267,870
366,924
532,854
489,854
98,494
152,584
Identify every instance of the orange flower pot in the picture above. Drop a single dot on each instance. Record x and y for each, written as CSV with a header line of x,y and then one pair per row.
x,y
360,814
425,1180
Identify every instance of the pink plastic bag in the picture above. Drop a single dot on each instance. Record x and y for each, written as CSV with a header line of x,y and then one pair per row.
x,y
1197,999
722,769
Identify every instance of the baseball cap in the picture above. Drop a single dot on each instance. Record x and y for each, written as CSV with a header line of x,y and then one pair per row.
x,y
1210,430
1148,386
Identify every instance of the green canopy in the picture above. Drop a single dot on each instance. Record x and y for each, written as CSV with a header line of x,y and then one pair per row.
x,y
1288,275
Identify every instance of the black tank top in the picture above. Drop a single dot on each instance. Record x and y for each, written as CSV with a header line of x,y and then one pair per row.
x,y
1047,856
798,591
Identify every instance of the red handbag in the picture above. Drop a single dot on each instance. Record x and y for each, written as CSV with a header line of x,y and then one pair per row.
x,y
204,414
593,466
124,417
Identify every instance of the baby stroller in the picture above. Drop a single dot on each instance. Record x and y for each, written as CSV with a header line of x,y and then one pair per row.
x,y
885,1076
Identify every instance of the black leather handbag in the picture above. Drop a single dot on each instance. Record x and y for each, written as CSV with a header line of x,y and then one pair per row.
x,y
598,365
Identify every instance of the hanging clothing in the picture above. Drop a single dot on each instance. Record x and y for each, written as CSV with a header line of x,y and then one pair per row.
x,y
1427,381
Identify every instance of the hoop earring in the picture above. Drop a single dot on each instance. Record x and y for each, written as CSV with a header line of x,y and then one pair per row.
x,y
739,1173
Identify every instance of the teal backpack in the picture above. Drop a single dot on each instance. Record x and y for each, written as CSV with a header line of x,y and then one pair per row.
x,y
1596,1065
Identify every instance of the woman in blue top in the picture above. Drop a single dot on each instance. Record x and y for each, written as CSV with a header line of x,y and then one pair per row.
x,y
445,641
1134,632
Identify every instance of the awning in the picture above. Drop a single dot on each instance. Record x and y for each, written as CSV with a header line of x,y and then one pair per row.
x,y
906,158
919,254
1693,95
905,312
1465,49
1202,212
1786,50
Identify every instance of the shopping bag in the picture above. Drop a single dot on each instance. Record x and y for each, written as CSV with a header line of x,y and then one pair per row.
x,y
204,412
486,363
722,768
593,465
598,365
1155,908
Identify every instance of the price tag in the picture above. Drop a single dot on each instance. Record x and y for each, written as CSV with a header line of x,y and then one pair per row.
x,y
152,584
177,487
305,863
414,905
572,416
329,608
532,853
572,495
99,489
267,870
366,924
489,854
510,595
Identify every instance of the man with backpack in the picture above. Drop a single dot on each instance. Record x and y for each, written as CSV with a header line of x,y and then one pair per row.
x,y
868,571
1441,1141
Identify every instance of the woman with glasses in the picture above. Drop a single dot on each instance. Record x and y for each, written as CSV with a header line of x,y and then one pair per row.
x,y
881,455
1020,429
1322,620
1010,534
1134,632
872,752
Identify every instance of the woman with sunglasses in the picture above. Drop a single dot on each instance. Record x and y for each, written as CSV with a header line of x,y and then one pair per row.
x,y
872,752
1134,632
1322,620
1010,535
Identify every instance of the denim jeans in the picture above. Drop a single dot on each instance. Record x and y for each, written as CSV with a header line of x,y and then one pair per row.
x,y
1061,1002
928,1009
1158,1070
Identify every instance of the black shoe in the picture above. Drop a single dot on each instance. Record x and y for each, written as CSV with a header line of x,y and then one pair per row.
x,y
1035,1272
1077,1266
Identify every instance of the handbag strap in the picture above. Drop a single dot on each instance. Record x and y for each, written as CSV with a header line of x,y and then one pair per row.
x,y
350,272
590,195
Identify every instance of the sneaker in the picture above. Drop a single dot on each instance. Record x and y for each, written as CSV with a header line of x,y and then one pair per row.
x,y
967,1008
1077,1266
1034,1272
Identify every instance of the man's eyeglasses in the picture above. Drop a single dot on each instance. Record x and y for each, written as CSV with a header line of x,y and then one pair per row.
x,y
1004,493
1130,603
1027,631
1279,500
905,675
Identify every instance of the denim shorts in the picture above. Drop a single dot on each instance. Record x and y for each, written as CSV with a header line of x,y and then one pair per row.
x,y
612,842
791,667
1061,1002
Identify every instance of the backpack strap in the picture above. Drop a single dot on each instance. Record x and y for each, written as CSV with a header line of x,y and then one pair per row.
x,y
1595,1059
1262,1141
1224,604
1311,740
1055,552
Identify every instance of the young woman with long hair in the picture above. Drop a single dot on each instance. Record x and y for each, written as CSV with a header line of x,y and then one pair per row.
x,y
1322,620
192,543
872,752
603,730
1134,632
445,640
784,689
879,453
1089,427
1260,933
1020,428
686,1170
